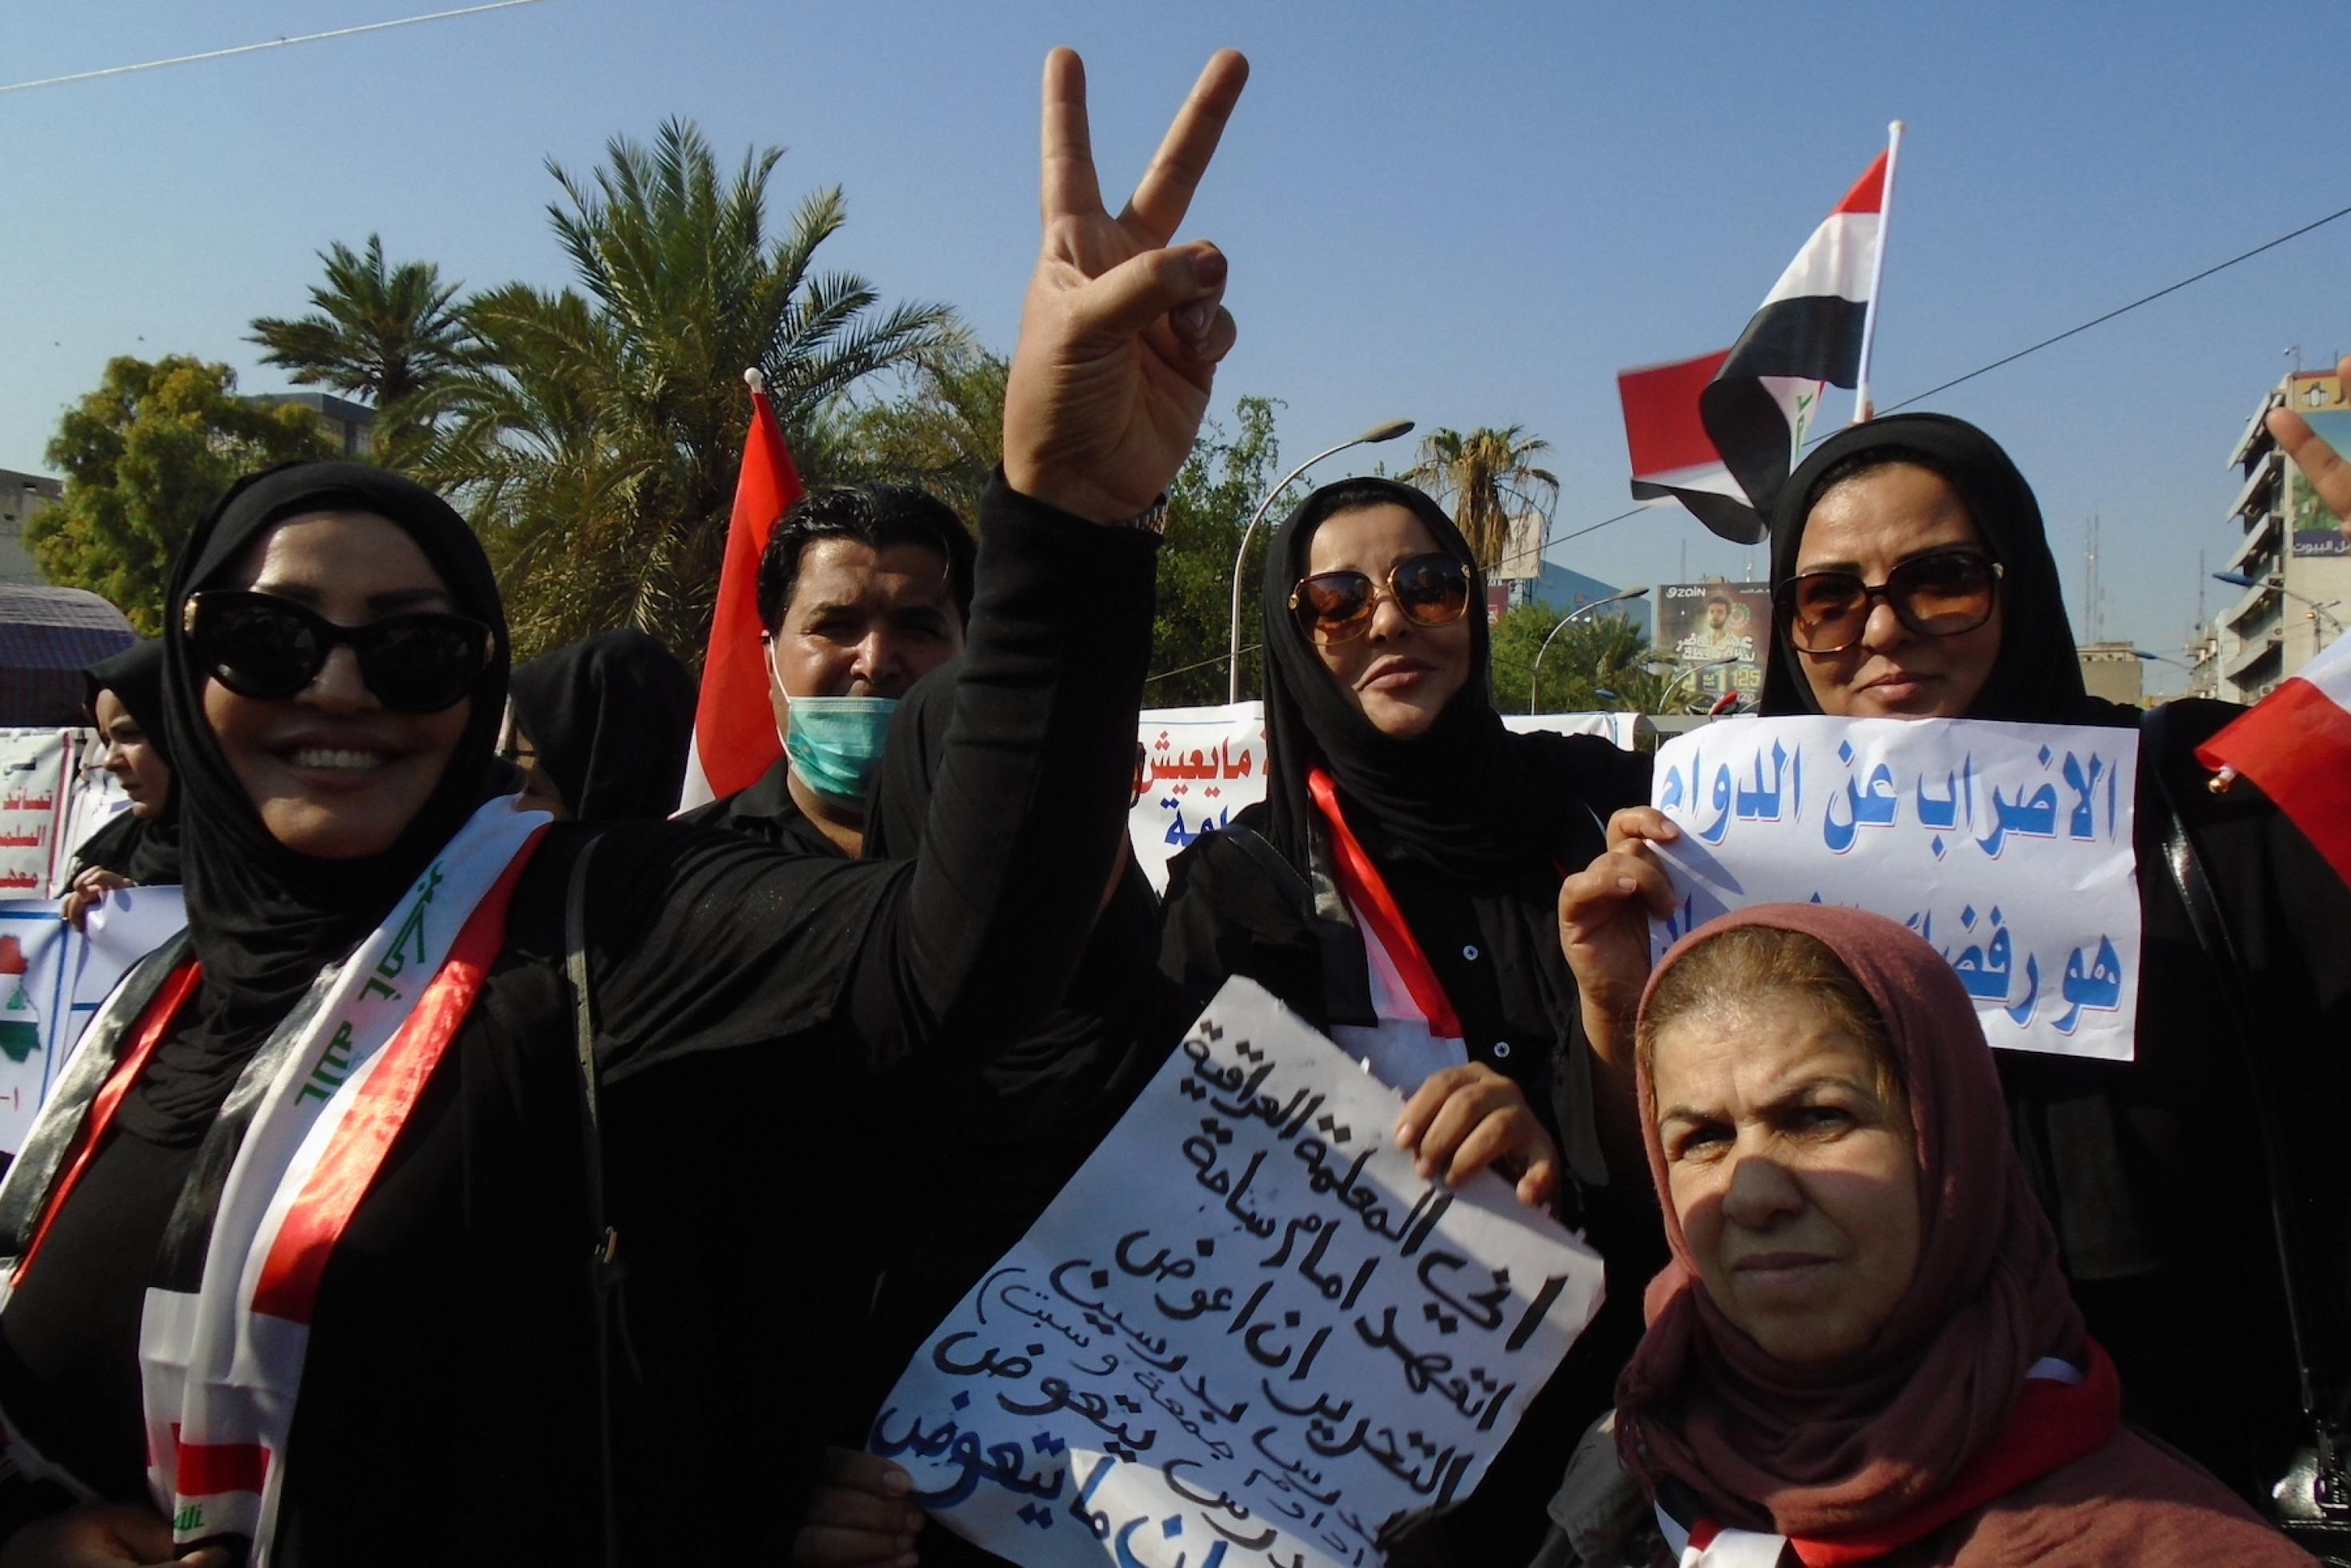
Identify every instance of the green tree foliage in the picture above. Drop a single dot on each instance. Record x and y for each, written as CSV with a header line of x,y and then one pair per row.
x,y
1207,508
143,455
1485,478
1601,650
942,431
595,441
386,334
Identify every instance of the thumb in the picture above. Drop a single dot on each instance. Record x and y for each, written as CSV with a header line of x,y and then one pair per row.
x,y
1125,300
204,1557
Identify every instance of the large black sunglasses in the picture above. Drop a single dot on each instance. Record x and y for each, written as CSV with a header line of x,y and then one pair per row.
x,y
261,647
1432,590
1938,595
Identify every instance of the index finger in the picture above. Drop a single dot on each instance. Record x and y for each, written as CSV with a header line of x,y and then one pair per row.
x,y
1641,822
2320,464
1067,187
1165,192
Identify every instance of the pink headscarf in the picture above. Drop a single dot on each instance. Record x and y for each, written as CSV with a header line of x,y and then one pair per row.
x,y
1844,1450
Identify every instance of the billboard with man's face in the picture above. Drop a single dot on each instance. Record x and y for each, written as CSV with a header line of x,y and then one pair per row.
x,y
1722,630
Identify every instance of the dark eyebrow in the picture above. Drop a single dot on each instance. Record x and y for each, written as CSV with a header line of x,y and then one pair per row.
x,y
400,599
1853,569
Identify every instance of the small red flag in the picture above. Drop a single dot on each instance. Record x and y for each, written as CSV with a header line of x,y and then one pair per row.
x,y
2296,743
735,741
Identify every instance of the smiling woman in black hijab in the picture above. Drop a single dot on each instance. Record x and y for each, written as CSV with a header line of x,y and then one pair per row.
x,y
606,722
1397,889
449,1334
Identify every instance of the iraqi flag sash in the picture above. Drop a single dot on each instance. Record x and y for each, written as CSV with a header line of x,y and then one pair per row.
x,y
294,1149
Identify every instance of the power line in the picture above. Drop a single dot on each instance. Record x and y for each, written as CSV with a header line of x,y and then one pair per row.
x,y
1550,541
2123,309
1187,669
266,43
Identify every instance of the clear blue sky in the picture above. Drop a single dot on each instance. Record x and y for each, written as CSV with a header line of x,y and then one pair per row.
x,y
1468,217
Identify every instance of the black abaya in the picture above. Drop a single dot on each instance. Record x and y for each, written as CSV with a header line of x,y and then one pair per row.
x,y
448,1409
1473,829
2152,1170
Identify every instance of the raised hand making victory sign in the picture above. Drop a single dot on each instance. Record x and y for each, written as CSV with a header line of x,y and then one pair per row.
x,y
1121,332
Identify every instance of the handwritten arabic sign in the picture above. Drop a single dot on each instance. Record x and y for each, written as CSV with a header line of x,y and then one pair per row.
x,y
1246,1333
1202,765
2007,846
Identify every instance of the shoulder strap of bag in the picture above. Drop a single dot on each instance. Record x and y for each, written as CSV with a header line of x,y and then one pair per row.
x,y
2211,930
604,1269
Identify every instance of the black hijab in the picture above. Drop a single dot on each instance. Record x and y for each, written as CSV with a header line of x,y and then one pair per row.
x,y
611,716
265,920
144,849
1467,799
2036,677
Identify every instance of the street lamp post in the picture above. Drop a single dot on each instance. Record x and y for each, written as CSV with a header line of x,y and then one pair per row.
x,y
2243,579
1378,433
1536,677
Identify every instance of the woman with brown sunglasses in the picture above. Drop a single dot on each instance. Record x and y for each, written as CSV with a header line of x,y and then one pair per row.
x,y
1912,578
1396,888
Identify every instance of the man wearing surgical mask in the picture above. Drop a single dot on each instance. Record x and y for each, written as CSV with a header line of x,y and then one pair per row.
x,y
864,590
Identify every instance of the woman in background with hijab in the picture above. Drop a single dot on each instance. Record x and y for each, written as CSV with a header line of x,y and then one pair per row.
x,y
141,847
1912,577
310,1255
1396,888
1863,1350
600,728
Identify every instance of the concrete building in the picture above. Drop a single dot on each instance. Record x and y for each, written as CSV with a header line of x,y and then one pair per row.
x,y
353,425
22,498
2113,670
2293,561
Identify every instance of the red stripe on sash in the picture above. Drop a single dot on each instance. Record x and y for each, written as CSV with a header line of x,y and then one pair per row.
x,y
1360,880
289,1279
207,1469
153,1025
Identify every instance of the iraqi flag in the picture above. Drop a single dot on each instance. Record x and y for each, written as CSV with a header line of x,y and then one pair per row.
x,y
735,740
1760,396
2295,743
1674,459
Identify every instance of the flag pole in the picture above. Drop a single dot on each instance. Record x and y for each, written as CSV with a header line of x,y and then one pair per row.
x,y
1862,407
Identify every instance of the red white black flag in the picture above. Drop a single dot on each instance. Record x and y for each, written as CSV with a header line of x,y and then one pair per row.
x,y
1717,434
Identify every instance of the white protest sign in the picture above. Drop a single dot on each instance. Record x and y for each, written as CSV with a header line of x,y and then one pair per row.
x,y
53,979
1246,1326
1201,766
33,765
2007,846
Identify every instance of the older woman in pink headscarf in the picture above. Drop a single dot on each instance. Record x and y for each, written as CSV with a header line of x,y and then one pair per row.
x,y
1863,1350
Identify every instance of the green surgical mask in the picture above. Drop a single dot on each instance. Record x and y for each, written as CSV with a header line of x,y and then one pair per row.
x,y
835,743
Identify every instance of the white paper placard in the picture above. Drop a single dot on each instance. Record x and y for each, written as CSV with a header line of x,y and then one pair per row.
x,y
52,980
2007,846
1202,765
1245,1327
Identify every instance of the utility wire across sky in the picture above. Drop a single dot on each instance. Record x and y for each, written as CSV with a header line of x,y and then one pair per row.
x,y
1551,539
266,44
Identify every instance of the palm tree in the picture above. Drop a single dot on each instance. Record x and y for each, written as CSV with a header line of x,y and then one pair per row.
x,y
596,440
1485,479
382,333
